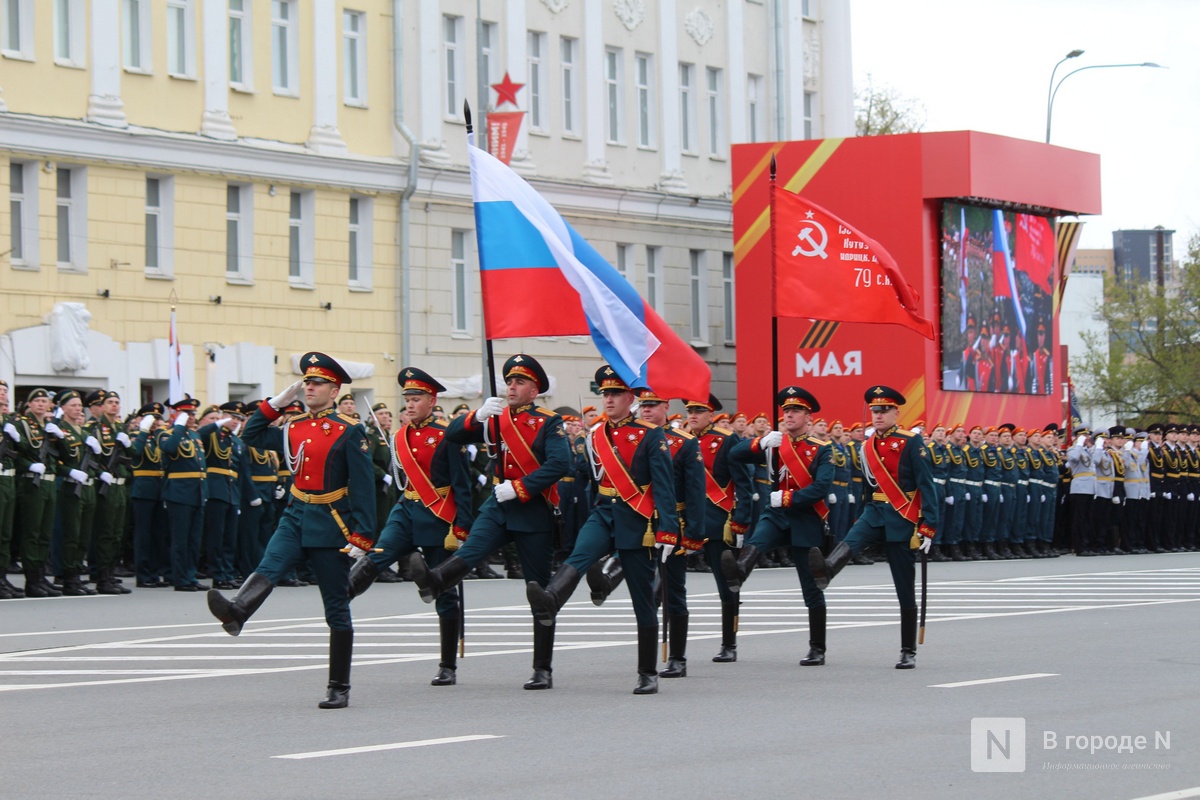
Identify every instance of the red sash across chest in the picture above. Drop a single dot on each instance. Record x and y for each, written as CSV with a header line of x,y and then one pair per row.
x,y
318,437
798,456
882,454
614,450
518,433
723,496
415,447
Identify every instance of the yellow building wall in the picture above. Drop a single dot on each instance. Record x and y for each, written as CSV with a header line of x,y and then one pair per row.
x,y
369,131
41,86
262,114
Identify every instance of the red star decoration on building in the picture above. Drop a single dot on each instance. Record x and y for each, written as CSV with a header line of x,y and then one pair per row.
x,y
506,91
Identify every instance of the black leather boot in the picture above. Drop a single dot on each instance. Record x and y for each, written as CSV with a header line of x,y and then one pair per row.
x,y
604,576
737,568
936,554
362,575
432,582
36,584
234,613
543,653
106,583
677,631
823,570
908,639
647,682
545,603
73,585
341,647
448,626
728,652
816,638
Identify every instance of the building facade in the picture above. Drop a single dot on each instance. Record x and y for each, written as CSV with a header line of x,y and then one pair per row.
x,y
291,175
1137,257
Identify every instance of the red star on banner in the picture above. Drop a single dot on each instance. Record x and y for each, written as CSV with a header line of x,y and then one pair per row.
x,y
506,91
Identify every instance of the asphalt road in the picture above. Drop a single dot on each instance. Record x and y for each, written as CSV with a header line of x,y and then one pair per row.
x,y
145,696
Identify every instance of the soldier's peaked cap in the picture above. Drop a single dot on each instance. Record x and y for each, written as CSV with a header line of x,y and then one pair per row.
x,y
607,378
796,397
883,396
417,381
318,366
527,366
711,404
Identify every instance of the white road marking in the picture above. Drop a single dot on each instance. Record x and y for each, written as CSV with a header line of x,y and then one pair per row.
x,y
375,748
1180,794
995,680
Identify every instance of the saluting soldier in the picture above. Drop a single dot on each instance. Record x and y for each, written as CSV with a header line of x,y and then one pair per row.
x,y
896,465
532,456
151,536
185,491
1106,497
1083,491
632,466
330,519
803,466
256,523
224,453
1137,491
434,513
9,440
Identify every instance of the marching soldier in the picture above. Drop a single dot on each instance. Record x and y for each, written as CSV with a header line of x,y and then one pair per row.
x,y
434,512
9,440
185,491
896,466
636,485
533,457
150,527
330,519
727,512
803,466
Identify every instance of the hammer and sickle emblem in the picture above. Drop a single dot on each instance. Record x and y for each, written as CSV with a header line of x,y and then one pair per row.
x,y
811,245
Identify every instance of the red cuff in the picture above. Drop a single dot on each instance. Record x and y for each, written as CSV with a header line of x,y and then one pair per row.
x,y
666,537
738,529
360,541
459,533
269,411
755,446
471,423
519,488
926,531
787,498
693,545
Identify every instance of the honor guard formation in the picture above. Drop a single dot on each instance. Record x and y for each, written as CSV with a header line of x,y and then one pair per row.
x,y
302,488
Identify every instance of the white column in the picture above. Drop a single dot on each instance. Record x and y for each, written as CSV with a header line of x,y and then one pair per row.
x,y
736,73
794,46
595,168
429,56
216,122
325,136
105,106
837,77
516,42
672,179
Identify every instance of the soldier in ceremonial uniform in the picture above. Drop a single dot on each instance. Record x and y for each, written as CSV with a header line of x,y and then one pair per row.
x,y
151,535
803,467
1158,474
533,455
728,510
256,523
37,466
1105,498
379,428
330,519
896,465
185,492
839,503
1137,491
226,481
434,512
635,513
9,439
1189,535
972,536
1083,491
111,497
939,460
76,493
346,405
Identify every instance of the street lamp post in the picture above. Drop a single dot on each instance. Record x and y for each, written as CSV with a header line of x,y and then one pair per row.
x,y
1050,90
1055,87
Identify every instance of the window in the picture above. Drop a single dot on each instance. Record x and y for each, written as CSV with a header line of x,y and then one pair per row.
x,y
654,288
756,124
806,8
612,94
624,260
240,61
160,228
239,233
452,64
16,38
71,186
135,29
460,319
489,38
354,57
69,45
699,296
536,79
300,240
361,242
568,55
23,219
284,47
809,104
715,138
727,296
644,78
181,52
687,109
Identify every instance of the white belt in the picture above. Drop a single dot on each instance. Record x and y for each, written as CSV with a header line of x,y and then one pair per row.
x,y
118,482
993,483
956,480
940,481
976,484
45,476
5,473
88,482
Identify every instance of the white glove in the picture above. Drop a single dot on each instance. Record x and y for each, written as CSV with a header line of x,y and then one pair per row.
x,y
256,502
754,497
1167,495
967,497
78,475
280,492
181,420
949,499
832,499
472,451
356,552
11,430
387,480
770,439
226,422
1116,501
739,540
1099,442
287,395
482,480
870,432
850,499
504,492
1145,445
106,477
1191,496
54,429
926,543
123,438
1026,498
1043,498
147,423
1002,497
58,413
985,498
664,550
917,429
93,444
490,408
1153,495
37,468
1128,446
777,499
1080,440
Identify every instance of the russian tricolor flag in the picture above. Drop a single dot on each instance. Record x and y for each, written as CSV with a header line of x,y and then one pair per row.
x,y
541,278
1004,278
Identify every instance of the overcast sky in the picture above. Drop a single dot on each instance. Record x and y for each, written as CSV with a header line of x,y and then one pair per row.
x,y
985,65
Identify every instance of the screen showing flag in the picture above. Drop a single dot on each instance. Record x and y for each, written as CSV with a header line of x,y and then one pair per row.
x,y
998,274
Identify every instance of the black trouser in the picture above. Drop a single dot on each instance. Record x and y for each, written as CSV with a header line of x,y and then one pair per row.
x,y
1081,517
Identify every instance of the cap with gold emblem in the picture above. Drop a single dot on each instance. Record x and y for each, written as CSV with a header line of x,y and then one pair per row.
x,y
796,397
96,398
527,367
379,407
186,403
345,397
418,381
711,404
608,380
320,367
883,396
153,409
648,396
233,407
66,395
461,407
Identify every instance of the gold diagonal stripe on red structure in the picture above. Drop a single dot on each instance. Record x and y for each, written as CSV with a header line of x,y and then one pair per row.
x,y
762,223
756,172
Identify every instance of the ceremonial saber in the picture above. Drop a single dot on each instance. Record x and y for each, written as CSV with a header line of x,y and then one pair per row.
x,y
924,594
372,550
662,570
462,618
